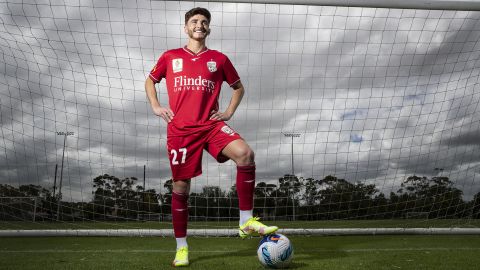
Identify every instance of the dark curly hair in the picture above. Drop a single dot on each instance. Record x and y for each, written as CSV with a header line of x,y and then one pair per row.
x,y
198,10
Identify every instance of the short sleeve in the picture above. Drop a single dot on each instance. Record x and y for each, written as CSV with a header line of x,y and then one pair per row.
x,y
230,75
159,70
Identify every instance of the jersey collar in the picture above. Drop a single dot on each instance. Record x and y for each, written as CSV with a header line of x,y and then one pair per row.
x,y
195,54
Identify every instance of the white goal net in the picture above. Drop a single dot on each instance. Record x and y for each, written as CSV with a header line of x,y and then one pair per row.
x,y
358,116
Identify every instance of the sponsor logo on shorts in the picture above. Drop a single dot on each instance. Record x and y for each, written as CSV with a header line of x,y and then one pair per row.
x,y
228,130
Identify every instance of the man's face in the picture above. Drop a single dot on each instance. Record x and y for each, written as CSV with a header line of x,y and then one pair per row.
x,y
197,27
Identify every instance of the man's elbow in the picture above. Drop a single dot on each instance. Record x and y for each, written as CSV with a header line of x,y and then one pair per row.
x,y
238,87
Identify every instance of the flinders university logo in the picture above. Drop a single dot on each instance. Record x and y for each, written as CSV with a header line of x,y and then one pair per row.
x,y
183,83
212,66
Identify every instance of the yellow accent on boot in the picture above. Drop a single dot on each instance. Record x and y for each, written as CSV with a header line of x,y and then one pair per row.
x,y
255,227
181,258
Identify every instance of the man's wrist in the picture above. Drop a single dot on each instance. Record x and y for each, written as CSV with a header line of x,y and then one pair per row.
x,y
229,113
156,106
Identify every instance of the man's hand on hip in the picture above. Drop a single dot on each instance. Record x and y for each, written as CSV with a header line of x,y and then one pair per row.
x,y
216,115
165,113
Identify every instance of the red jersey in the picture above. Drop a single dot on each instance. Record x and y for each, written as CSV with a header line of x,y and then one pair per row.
x,y
193,83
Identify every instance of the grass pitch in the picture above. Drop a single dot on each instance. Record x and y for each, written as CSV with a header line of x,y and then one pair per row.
x,y
311,252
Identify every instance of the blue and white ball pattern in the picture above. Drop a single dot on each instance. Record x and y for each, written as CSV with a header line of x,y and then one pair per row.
x,y
275,251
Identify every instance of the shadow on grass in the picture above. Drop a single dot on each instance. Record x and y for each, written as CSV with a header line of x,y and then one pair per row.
x,y
236,253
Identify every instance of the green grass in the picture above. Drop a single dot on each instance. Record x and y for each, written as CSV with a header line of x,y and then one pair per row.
x,y
338,252
405,223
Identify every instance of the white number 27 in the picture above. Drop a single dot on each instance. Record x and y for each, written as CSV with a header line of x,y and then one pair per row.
x,y
175,155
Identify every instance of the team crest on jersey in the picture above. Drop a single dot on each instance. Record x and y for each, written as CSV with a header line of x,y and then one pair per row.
x,y
177,65
228,130
212,66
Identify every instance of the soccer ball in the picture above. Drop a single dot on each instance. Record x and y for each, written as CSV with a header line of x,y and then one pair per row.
x,y
275,251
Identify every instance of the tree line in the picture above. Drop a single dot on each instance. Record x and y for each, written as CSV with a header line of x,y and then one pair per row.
x,y
293,198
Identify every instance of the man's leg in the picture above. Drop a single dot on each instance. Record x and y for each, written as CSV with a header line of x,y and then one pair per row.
x,y
185,155
180,192
244,157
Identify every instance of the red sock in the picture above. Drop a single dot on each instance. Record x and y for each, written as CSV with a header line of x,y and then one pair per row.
x,y
245,186
179,214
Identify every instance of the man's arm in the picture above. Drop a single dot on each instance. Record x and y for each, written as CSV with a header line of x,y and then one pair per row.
x,y
237,96
163,112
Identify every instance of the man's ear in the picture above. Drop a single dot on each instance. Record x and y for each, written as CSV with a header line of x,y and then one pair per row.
x,y
185,29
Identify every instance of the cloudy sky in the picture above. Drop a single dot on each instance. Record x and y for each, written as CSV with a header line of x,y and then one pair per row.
x,y
375,94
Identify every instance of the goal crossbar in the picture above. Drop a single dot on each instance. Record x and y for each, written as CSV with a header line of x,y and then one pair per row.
x,y
406,4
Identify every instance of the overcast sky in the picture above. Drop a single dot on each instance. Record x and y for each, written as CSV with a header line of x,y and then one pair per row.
x,y
375,94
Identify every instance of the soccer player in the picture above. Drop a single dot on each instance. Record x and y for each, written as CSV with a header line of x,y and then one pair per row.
x,y
194,75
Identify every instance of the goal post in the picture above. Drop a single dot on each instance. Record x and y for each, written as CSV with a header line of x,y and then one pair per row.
x,y
234,232
363,116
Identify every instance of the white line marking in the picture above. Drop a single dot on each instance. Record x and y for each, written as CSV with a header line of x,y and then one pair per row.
x,y
401,249
298,251
109,251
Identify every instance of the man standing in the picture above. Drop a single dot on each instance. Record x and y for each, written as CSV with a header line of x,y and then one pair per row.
x,y
194,75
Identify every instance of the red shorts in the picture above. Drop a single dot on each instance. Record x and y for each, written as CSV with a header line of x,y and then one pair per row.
x,y
185,151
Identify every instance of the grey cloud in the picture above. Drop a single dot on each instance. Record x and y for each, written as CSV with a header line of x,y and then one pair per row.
x,y
471,138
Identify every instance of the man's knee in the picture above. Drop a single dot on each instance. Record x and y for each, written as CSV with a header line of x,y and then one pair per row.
x,y
181,186
250,155
245,156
